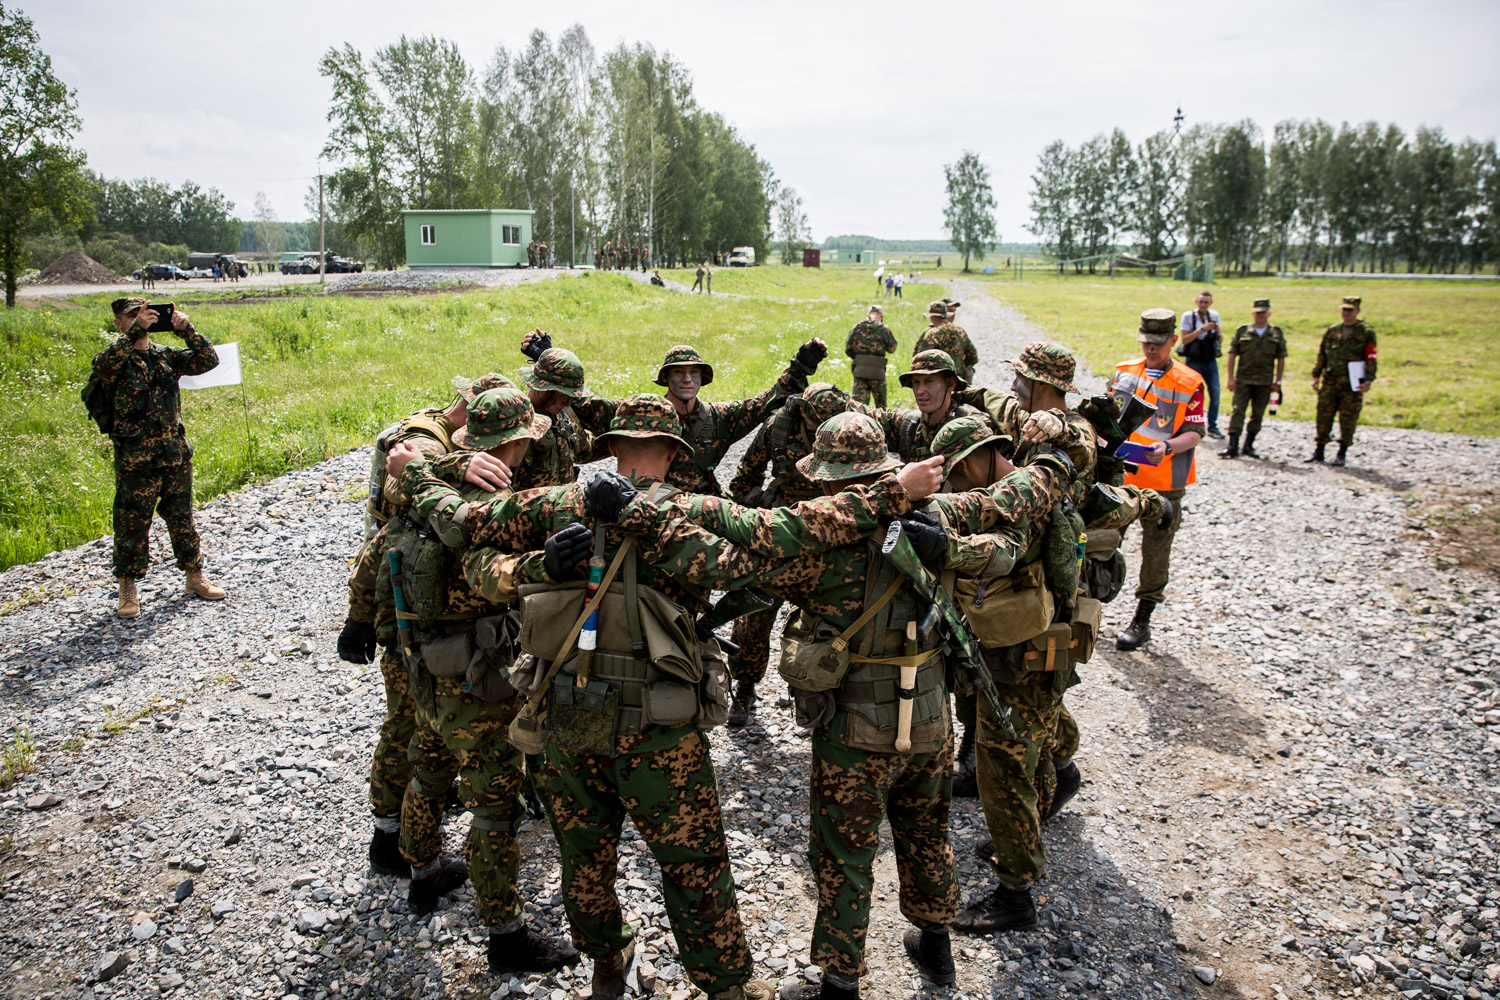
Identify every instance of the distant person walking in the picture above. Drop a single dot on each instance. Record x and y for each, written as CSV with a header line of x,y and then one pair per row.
x,y
217,272
708,280
867,345
148,277
1202,344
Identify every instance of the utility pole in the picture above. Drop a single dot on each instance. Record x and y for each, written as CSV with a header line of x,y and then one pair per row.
x,y
572,222
322,251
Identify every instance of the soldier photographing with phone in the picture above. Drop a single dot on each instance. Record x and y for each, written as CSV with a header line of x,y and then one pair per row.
x,y
133,396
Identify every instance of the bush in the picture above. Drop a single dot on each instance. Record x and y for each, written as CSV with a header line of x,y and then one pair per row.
x,y
123,253
41,250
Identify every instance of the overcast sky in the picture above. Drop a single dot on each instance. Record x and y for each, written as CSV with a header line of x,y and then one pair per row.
x,y
857,106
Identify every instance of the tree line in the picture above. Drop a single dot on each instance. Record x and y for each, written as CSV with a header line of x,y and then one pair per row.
x,y
1358,197
611,148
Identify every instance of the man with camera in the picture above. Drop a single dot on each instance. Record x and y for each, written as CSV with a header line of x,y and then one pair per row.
x,y
153,460
1201,345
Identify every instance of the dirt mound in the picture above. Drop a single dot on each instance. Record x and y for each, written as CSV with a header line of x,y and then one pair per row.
x,y
77,268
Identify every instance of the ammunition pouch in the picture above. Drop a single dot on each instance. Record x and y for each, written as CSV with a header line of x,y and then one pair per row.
x,y
653,627
480,650
1103,564
868,366
1058,650
815,654
870,699
1007,610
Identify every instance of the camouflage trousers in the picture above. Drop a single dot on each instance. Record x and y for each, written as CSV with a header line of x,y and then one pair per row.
x,y
852,791
753,633
672,797
390,768
1255,397
1156,552
461,734
141,493
1017,777
1342,403
868,389
1065,741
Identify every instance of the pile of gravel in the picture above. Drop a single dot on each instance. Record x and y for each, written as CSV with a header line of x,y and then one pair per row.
x,y
76,268
425,278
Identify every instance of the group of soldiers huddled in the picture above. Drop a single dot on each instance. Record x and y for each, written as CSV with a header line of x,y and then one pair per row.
x,y
623,257
538,254
545,633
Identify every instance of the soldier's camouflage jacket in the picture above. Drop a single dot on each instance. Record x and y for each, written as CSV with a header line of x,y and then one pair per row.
x,y
148,427
1338,348
782,439
870,337
952,339
553,461
907,432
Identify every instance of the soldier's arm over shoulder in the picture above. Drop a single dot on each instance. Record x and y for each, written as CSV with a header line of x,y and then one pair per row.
x,y
431,448
814,525
751,472
498,575
1024,494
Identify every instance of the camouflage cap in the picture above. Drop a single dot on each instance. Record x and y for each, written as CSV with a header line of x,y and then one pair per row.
x,y
1261,305
846,446
646,415
823,400
1352,300
500,415
952,304
1050,363
929,362
557,370
877,309
938,308
129,302
468,388
682,354
1157,326
958,437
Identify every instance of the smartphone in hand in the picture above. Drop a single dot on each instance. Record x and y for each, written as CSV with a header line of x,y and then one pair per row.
x,y
163,312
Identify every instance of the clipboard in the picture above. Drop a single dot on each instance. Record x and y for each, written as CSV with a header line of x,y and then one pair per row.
x,y
1137,453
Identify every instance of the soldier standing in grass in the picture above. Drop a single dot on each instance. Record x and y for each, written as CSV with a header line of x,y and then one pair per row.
x,y
698,279
1349,341
868,344
153,460
942,335
1257,359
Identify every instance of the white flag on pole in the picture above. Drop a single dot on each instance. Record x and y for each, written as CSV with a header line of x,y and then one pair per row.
x,y
226,372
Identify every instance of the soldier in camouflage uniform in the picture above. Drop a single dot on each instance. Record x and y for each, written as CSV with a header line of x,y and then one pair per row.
x,y
783,440
369,621
868,344
531,254
935,385
1350,339
553,382
1257,359
941,335
153,460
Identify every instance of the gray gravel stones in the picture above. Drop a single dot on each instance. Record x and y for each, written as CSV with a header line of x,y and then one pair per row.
x,y
425,278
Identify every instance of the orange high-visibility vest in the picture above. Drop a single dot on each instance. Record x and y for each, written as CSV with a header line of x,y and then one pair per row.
x,y
1170,395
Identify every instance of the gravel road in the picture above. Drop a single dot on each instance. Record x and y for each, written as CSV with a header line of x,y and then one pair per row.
x,y
1291,791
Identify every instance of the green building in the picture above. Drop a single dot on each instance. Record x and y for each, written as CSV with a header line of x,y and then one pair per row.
x,y
467,237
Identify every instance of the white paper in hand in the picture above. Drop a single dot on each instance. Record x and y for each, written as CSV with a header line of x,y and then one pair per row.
x,y
1356,374
226,372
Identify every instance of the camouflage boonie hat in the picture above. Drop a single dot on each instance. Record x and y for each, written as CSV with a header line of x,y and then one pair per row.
x,y
1261,305
682,354
876,309
952,304
646,415
957,438
929,362
129,302
557,370
938,308
1050,363
1157,326
1352,300
824,400
500,415
469,388
846,446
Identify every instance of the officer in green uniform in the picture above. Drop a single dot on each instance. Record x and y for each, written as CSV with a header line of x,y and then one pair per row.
x,y
935,384
942,335
868,344
1349,341
1257,359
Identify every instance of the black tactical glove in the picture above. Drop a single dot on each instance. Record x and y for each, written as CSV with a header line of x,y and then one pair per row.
x,y
357,641
567,550
929,541
924,518
1056,461
608,496
810,353
538,344
1166,517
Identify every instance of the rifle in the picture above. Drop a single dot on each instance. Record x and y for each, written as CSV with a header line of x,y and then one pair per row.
x,y
735,604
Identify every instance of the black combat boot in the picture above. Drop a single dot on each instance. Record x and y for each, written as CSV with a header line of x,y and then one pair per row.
x,y
385,855
1250,451
1317,455
742,705
1233,451
932,953
827,990
1068,781
610,972
1339,458
525,950
1138,632
422,895
1004,909
966,773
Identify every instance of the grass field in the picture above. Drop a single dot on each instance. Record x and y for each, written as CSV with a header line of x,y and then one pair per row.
x,y
1439,369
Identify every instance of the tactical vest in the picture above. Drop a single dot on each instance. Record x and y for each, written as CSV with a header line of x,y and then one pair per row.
x,y
379,510
787,484
701,431
909,444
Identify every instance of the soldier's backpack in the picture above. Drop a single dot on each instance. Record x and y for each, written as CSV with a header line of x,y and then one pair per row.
x,y
98,399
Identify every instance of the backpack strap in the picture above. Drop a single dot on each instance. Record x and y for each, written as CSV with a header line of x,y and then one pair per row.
x,y
841,642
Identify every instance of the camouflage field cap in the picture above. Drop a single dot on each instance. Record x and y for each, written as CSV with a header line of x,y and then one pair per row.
x,y
1050,363
682,354
877,309
938,308
952,304
929,362
1157,326
469,388
824,400
957,438
847,445
500,415
126,304
1352,301
1261,305
557,370
646,415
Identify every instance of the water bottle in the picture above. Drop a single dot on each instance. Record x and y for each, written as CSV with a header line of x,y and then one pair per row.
x,y
1275,400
